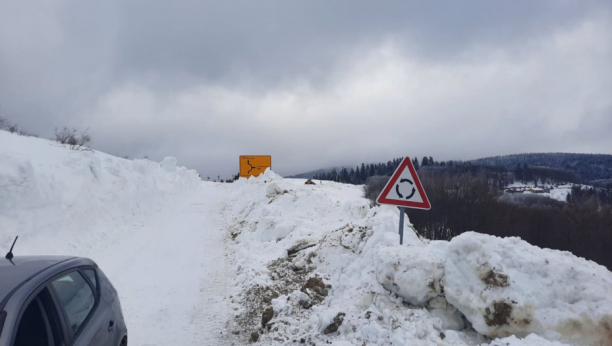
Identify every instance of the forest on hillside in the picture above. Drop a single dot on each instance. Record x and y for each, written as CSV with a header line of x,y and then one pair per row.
x,y
469,197
591,167
469,201
503,175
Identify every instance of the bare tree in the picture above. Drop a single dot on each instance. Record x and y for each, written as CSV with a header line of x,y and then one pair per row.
x,y
12,128
3,123
82,141
64,135
75,140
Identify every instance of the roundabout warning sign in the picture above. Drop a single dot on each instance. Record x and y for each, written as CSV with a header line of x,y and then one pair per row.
x,y
404,189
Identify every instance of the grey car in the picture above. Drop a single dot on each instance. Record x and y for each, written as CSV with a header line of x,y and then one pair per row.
x,y
58,301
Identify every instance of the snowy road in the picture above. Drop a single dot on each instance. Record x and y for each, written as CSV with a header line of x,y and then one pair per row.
x,y
159,233
171,272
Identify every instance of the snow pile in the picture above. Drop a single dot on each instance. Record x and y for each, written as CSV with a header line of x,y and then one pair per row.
x,y
396,270
64,201
316,264
530,340
509,287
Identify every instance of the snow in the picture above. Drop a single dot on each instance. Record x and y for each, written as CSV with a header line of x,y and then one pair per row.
x,y
558,192
153,228
52,195
198,263
168,163
396,270
172,277
530,340
391,294
546,292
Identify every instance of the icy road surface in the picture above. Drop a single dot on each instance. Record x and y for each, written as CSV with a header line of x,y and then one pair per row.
x,y
171,273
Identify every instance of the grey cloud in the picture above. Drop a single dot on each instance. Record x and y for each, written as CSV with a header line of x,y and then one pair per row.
x,y
274,41
314,83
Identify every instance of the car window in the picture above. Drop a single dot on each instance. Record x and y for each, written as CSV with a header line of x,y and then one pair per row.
x,y
91,275
76,297
39,323
32,330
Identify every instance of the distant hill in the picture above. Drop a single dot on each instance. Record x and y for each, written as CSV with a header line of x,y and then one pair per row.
x,y
591,167
594,169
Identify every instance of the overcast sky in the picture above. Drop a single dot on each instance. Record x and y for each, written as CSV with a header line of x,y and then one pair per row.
x,y
313,83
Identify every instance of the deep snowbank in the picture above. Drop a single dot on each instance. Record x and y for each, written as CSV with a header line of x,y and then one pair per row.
x,y
62,201
317,264
509,287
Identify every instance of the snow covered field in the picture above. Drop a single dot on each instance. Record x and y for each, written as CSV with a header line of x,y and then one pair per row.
x,y
280,262
558,192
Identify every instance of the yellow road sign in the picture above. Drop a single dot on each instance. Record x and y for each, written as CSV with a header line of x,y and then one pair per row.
x,y
254,165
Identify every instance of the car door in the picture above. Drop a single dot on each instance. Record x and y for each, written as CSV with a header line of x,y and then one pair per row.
x,y
86,315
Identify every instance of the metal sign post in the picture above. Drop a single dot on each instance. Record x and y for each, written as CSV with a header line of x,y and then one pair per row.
x,y
401,228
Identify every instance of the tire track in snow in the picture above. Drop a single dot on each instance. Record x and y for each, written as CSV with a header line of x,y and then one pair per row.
x,y
212,323
171,273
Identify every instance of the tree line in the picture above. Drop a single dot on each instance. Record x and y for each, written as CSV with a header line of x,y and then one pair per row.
x,y
591,167
470,197
498,175
465,200
360,174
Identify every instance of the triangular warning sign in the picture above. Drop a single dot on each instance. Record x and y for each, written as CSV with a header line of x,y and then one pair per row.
x,y
404,189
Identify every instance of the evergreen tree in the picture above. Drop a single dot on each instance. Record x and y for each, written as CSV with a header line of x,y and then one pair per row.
x,y
333,176
344,175
519,172
425,162
364,173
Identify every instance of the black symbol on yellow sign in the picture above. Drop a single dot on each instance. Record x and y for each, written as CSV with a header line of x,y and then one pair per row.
x,y
252,167
405,181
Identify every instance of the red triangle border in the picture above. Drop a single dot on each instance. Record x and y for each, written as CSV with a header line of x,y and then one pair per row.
x,y
382,198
